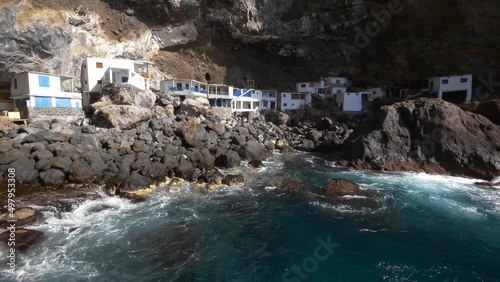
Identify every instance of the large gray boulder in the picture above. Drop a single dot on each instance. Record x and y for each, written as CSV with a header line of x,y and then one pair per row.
x,y
122,117
194,107
426,134
126,94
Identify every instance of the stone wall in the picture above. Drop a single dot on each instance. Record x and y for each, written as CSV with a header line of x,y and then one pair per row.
x,y
43,113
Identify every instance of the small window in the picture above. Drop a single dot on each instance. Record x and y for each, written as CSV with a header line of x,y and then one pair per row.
x,y
303,85
285,105
284,95
99,65
86,82
445,81
43,81
124,79
15,83
463,80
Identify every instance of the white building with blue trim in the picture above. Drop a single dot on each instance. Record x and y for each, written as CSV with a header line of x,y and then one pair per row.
x,y
98,72
34,89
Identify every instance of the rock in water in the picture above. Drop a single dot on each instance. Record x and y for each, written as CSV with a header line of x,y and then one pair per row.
x,y
25,238
425,134
342,187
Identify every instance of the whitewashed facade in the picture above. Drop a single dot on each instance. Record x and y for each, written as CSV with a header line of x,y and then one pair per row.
x,y
184,87
351,101
244,100
268,99
306,87
457,88
330,86
377,93
98,72
32,89
294,101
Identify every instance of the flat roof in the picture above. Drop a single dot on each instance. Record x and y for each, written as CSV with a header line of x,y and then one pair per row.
x,y
125,59
44,73
183,79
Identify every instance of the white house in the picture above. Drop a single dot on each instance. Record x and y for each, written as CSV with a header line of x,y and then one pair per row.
x,y
351,101
244,101
455,89
294,101
306,87
268,99
184,87
378,92
33,89
98,72
329,86
220,95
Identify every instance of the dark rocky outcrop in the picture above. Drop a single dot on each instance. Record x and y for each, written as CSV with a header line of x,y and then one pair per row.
x,y
425,135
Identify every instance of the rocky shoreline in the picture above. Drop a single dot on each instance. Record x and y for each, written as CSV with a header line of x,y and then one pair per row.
x,y
137,139
133,139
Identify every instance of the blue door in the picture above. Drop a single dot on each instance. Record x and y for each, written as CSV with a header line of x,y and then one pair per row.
x,y
124,79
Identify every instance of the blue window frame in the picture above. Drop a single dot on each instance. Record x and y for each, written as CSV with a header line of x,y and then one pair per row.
x,y
463,80
77,104
63,103
43,102
15,83
445,81
43,81
124,79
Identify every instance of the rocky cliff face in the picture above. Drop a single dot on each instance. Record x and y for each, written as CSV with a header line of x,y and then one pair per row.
x,y
429,135
272,41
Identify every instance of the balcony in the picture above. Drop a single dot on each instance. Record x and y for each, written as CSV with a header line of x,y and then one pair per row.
x,y
213,92
188,89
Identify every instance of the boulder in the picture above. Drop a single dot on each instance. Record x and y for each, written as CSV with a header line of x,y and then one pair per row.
x,y
239,140
256,164
428,135
25,170
81,172
324,124
52,177
120,116
185,170
192,134
233,180
194,107
490,110
230,159
25,238
5,145
127,94
314,135
23,216
253,150
342,187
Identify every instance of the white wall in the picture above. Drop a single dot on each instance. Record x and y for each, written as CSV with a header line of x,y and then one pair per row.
x,y
287,103
305,87
91,74
352,102
376,93
333,80
23,85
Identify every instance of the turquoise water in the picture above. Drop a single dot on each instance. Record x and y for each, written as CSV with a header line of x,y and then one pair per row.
x,y
428,228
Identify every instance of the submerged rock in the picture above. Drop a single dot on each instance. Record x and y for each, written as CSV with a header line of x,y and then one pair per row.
x,y
233,180
25,238
23,216
342,187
